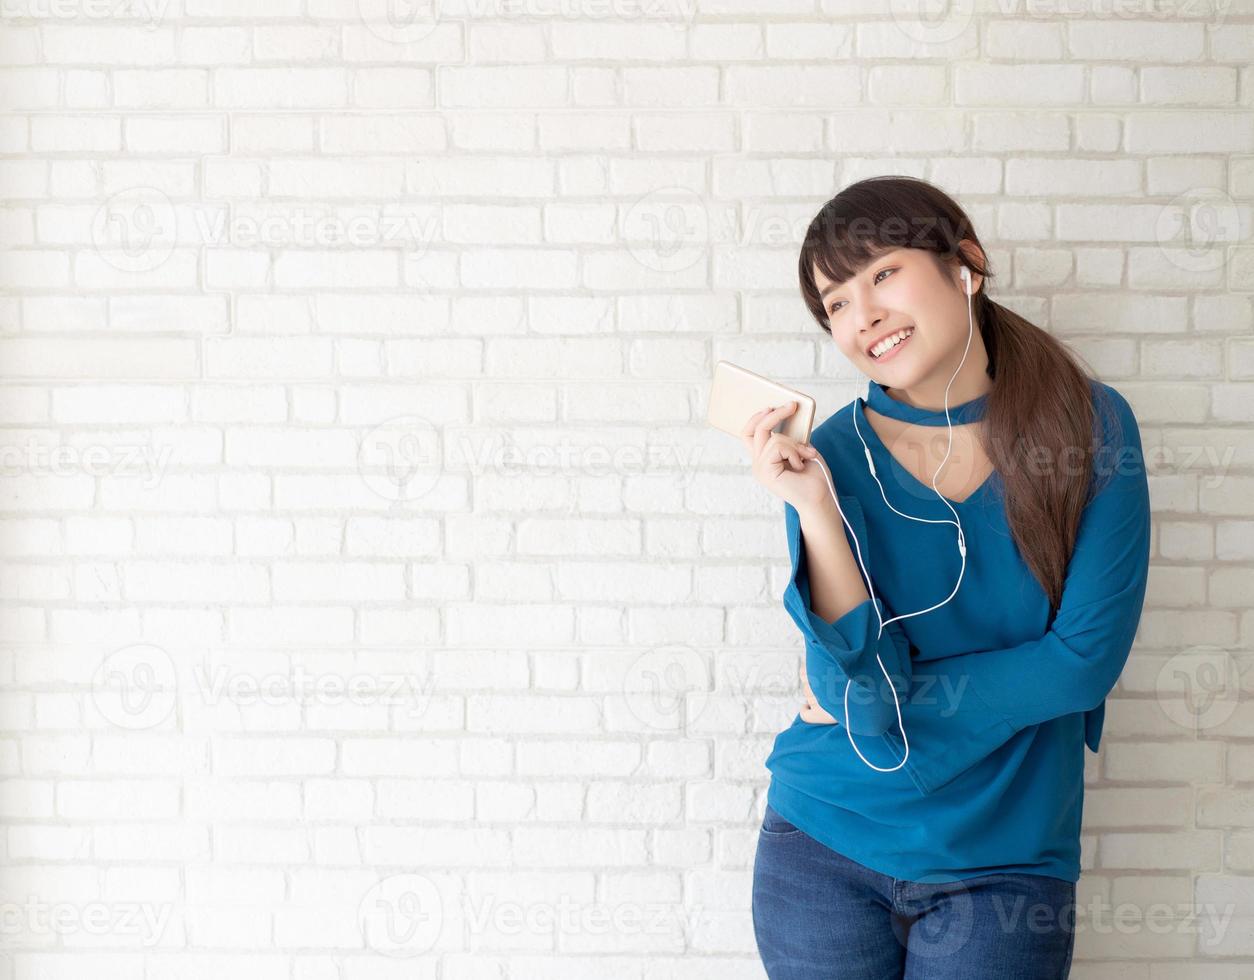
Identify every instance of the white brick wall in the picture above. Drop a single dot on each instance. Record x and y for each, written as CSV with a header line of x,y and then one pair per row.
x,y
358,494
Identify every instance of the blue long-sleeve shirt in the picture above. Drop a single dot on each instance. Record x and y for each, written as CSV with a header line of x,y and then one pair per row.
x,y
1002,697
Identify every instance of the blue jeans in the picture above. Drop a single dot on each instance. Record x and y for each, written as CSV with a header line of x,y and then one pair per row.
x,y
818,915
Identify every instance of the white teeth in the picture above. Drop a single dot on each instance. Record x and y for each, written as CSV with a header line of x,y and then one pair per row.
x,y
890,342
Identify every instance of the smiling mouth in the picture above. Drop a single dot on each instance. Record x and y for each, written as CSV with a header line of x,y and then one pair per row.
x,y
896,347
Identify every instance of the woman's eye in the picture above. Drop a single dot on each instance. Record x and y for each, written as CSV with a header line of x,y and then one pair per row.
x,y
876,281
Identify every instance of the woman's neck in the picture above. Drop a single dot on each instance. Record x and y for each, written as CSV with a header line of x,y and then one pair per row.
x,y
929,394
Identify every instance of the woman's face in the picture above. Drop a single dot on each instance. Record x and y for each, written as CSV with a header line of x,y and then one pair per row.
x,y
901,289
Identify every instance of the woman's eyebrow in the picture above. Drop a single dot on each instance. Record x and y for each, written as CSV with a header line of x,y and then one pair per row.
x,y
873,262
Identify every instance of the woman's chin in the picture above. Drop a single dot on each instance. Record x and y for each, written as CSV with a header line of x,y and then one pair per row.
x,y
909,367
902,376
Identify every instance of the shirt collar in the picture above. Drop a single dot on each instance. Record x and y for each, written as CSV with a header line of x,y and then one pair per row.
x,y
879,399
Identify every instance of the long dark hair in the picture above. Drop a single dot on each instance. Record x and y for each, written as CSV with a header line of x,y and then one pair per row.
x,y
1041,406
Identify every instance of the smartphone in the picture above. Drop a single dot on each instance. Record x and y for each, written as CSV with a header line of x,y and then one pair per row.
x,y
737,394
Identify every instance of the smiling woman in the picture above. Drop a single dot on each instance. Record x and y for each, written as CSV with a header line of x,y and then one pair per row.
x,y
970,658
882,257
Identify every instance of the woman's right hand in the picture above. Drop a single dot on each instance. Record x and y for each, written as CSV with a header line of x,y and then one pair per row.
x,y
790,469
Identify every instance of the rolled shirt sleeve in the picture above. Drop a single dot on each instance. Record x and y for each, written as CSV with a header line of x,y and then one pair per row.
x,y
844,650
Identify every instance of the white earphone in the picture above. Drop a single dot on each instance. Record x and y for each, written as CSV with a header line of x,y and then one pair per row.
x,y
962,544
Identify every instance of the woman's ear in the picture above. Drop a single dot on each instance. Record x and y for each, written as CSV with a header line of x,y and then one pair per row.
x,y
967,252
971,255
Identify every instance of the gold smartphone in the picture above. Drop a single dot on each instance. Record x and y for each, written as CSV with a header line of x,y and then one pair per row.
x,y
737,394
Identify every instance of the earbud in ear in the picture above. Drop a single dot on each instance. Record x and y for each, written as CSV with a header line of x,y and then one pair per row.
x,y
966,278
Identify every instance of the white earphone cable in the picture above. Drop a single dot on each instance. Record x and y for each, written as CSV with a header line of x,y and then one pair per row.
x,y
962,546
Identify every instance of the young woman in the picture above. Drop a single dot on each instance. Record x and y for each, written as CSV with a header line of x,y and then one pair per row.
x,y
923,814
